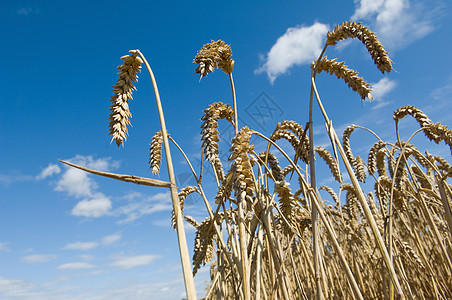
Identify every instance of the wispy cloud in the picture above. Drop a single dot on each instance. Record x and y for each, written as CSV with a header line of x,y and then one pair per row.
x,y
75,266
79,184
128,262
84,246
143,206
7,179
380,89
299,45
38,258
397,22
4,246
26,11
50,170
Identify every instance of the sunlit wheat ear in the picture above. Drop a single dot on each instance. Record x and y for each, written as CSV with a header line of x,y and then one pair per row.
x,y
214,54
356,83
421,177
358,166
410,253
331,162
438,132
204,244
346,143
209,131
182,195
192,221
273,163
119,108
372,158
240,150
302,149
367,37
332,193
443,165
155,152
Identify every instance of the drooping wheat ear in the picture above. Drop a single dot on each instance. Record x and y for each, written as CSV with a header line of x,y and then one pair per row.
x,y
346,143
214,54
287,170
240,150
204,244
182,195
381,167
356,83
209,131
273,163
443,165
155,152
410,253
438,132
286,203
372,158
302,149
351,206
367,37
434,132
331,162
119,108
331,192
421,177
358,166
192,221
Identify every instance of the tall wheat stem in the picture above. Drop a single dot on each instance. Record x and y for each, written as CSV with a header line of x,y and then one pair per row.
x,y
314,212
183,249
363,202
241,202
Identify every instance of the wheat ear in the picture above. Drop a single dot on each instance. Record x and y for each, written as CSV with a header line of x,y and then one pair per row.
x,y
214,54
182,195
367,37
155,152
331,162
356,83
119,108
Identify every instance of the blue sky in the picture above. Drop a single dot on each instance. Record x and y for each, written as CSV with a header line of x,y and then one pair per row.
x,y
68,235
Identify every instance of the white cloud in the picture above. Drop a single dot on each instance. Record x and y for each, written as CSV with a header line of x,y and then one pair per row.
x,y
299,45
380,89
397,22
81,246
13,285
6,180
25,11
105,241
141,208
110,239
86,257
128,262
4,247
76,183
99,205
75,266
49,171
38,258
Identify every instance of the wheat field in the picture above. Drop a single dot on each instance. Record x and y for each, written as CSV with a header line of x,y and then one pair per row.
x,y
271,232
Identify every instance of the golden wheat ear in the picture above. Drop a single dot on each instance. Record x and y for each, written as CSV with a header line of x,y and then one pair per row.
x,y
119,108
214,54
356,83
155,152
367,37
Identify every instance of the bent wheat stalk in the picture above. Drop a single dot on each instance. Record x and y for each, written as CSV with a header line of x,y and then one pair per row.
x,y
183,249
